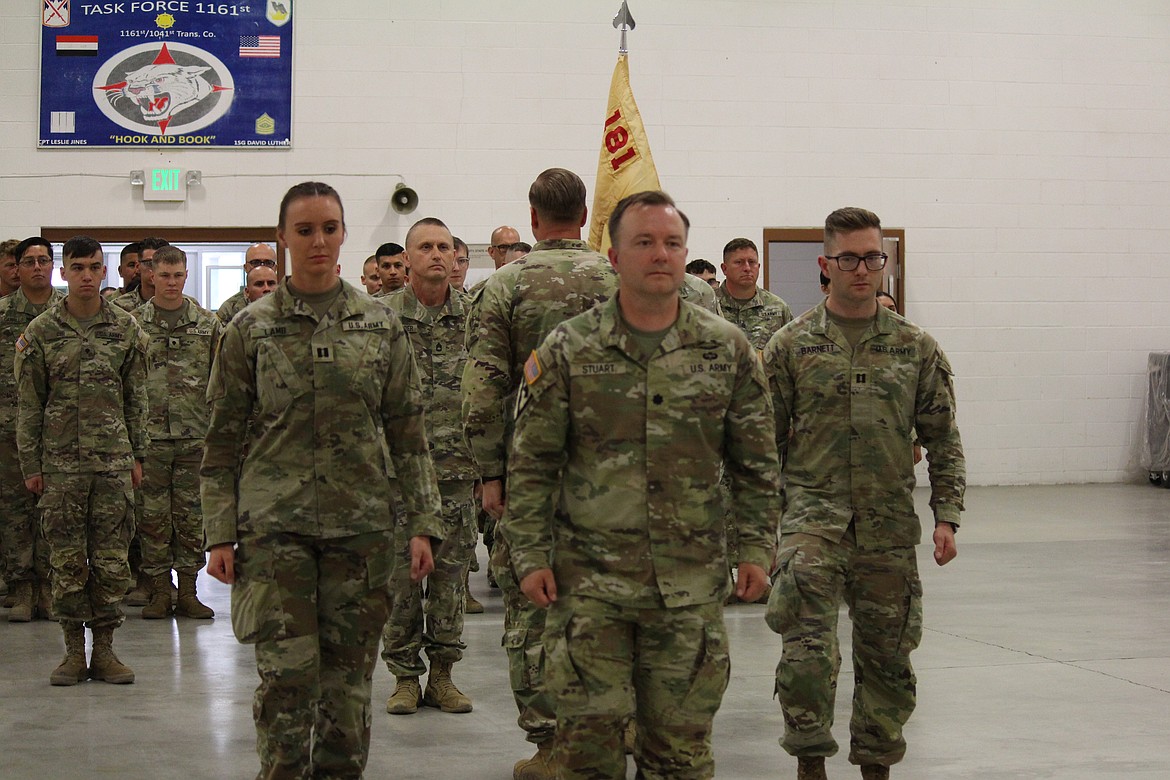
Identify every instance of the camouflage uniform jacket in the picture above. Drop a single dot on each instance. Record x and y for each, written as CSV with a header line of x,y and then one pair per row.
x,y
698,292
759,317
231,307
330,402
850,412
178,363
624,457
520,304
129,301
16,312
82,393
440,355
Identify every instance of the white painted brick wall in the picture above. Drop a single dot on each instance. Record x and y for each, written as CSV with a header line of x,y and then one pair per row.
x,y
1024,145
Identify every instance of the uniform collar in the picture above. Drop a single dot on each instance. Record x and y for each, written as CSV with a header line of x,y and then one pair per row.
x,y
614,332
347,304
413,308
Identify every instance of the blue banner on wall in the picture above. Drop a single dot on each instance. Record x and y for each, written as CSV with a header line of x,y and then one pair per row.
x,y
166,73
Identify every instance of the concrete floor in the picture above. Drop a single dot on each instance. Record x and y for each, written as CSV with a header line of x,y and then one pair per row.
x,y
1047,654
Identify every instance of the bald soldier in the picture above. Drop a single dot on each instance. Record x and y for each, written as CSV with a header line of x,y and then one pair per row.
x,y
258,255
850,380
433,315
624,418
260,281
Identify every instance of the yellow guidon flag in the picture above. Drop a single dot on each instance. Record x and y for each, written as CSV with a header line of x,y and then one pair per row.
x,y
625,165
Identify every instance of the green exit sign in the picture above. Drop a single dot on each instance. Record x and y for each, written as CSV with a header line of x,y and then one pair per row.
x,y
165,184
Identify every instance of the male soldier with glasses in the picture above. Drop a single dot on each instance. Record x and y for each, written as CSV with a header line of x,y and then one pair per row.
x,y
849,381
26,554
259,255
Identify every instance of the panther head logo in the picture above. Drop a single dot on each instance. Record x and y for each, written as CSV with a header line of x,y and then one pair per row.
x,y
161,89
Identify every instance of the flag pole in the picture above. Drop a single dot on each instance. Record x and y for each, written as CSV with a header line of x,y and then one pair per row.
x,y
624,21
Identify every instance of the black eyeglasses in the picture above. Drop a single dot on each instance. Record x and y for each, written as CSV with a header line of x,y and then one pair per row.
x,y
29,262
262,264
874,262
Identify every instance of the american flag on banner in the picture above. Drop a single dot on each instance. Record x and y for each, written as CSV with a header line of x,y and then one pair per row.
x,y
259,45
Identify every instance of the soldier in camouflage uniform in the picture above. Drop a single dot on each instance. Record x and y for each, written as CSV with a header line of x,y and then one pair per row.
x,y
302,526
81,432
182,340
520,304
130,301
850,380
754,310
759,313
625,417
26,555
433,315
9,269
258,255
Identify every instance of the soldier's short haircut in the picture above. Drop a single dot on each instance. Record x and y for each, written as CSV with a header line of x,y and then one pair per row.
x,y
308,189
8,247
432,221
389,249
22,247
647,198
170,255
133,248
82,246
558,196
700,266
736,244
371,259
152,242
521,246
459,244
850,220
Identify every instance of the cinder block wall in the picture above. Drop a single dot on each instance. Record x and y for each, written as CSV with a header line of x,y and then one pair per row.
x,y
1022,145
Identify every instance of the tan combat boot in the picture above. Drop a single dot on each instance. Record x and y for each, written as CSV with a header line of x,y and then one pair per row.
x,y
103,664
811,768
539,767
472,607
189,604
874,772
441,691
406,697
139,595
72,670
159,605
45,601
22,603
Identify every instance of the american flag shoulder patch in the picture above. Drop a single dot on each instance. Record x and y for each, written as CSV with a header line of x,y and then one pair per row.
x,y
532,370
21,343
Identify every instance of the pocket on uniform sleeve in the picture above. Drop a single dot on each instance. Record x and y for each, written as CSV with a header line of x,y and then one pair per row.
x,y
258,613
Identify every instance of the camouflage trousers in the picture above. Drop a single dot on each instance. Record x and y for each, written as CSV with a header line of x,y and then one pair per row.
x,y
25,552
884,596
314,608
171,531
665,667
436,624
524,644
86,520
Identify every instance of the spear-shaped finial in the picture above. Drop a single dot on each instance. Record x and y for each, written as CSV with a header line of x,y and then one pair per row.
x,y
624,22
